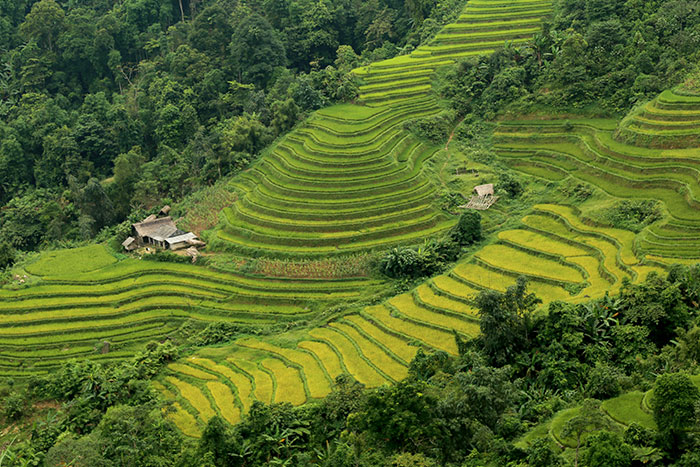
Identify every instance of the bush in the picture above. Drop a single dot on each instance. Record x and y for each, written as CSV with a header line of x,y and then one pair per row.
x,y
167,257
15,406
637,435
215,333
673,402
402,262
607,448
411,460
633,215
8,255
509,185
541,454
603,382
468,229
436,128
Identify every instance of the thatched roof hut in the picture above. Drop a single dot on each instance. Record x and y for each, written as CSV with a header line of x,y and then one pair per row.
x,y
130,244
484,190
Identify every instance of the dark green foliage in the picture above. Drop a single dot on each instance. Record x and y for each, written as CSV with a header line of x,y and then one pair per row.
x,y
633,215
78,452
137,435
431,258
402,262
658,305
468,229
216,442
542,454
256,50
637,435
607,448
425,366
436,128
131,102
453,411
15,406
509,185
504,321
673,402
215,333
605,54
8,255
603,382
400,416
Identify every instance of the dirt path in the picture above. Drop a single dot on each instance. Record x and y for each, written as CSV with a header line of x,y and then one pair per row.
x,y
447,148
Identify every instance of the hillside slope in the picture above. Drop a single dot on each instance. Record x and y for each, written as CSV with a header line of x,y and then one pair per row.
x,y
351,178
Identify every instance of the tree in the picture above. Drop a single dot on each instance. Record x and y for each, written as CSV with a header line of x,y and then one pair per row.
x,y
137,436
7,255
44,24
285,115
468,228
256,50
504,321
15,167
216,441
588,420
607,448
76,452
673,402
399,416
541,454
127,172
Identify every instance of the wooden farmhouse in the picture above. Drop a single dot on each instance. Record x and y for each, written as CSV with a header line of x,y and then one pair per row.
x,y
160,232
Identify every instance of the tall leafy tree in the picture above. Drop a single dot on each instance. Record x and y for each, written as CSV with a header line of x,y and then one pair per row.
x,y
256,49
505,321
44,24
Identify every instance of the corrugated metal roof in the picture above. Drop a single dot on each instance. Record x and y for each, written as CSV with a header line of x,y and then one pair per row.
x,y
181,238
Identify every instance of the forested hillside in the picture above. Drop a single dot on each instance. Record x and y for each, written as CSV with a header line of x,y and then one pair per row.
x,y
426,233
108,109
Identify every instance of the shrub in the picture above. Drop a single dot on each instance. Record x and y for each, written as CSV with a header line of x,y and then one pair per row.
x,y
215,333
8,255
637,435
167,257
435,128
673,402
411,460
402,262
468,229
77,452
607,448
15,406
541,454
509,185
603,382
633,215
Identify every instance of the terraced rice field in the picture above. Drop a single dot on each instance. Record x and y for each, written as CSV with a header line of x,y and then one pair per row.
x,y
575,262
672,120
622,411
350,179
127,303
374,346
591,152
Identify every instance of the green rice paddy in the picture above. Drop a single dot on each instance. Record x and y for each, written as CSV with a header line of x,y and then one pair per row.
x,y
622,166
349,180
622,411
